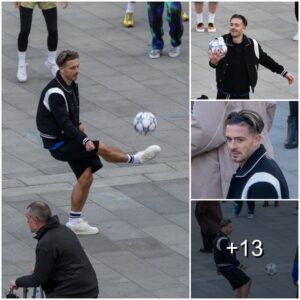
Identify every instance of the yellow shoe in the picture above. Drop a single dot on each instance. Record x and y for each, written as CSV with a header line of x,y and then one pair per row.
x,y
128,20
184,17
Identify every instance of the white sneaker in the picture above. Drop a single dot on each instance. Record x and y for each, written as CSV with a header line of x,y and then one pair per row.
x,y
147,154
22,73
155,53
250,216
295,37
82,228
52,67
174,51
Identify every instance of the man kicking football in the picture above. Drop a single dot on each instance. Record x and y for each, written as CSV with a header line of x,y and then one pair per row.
x,y
65,137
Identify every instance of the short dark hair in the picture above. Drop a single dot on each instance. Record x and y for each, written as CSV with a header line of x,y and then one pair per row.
x,y
246,118
241,17
39,210
225,222
65,56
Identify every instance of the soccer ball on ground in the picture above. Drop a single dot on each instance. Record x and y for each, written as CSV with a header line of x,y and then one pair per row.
x,y
144,123
217,45
271,269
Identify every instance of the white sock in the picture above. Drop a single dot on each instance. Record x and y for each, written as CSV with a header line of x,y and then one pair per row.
x,y
211,18
133,159
52,56
199,18
130,7
22,58
74,217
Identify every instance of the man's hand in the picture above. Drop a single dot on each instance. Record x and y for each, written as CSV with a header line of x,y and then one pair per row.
x,y
290,78
243,267
215,57
13,284
17,4
64,4
89,146
82,128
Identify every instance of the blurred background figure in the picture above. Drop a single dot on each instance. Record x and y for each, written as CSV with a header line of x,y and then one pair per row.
x,y
295,37
49,11
292,129
209,216
129,17
212,8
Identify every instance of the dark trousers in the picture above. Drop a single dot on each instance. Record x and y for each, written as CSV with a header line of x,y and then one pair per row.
x,y
220,95
237,207
294,109
208,240
50,16
155,17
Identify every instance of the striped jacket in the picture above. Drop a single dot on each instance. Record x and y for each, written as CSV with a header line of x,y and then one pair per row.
x,y
222,255
58,113
259,178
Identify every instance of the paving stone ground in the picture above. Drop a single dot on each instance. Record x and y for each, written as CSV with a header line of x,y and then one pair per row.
x,y
276,227
142,212
272,24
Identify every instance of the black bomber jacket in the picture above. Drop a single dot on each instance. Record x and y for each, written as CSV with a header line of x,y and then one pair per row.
x,y
251,59
58,113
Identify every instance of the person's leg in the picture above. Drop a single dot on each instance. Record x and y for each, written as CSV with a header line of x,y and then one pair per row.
x,y
295,37
128,18
175,24
50,16
115,155
78,198
238,293
155,18
292,130
251,207
25,27
81,190
212,8
237,207
199,17
207,246
245,289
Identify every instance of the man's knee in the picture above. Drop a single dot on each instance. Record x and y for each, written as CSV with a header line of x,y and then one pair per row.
x,y
103,150
86,179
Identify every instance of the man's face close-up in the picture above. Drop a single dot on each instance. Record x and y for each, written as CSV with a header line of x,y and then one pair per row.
x,y
70,69
237,27
241,142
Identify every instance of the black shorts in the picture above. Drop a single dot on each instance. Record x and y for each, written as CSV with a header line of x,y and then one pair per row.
x,y
78,158
235,276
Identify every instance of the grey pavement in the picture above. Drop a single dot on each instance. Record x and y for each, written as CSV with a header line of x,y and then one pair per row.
x,y
143,211
272,24
276,227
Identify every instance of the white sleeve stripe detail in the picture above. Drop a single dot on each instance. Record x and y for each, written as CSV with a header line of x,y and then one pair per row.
x,y
49,93
262,177
256,49
219,242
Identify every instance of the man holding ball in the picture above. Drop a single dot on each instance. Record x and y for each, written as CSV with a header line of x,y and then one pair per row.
x,y
236,70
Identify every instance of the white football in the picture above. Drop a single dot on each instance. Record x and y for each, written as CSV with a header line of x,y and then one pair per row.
x,y
144,123
271,269
217,45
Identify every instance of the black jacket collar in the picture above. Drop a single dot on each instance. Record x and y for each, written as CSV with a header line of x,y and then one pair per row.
x,y
53,223
62,83
251,162
229,42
